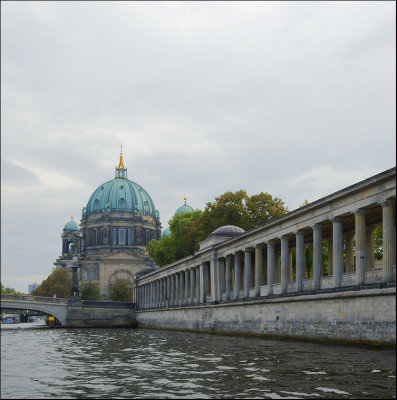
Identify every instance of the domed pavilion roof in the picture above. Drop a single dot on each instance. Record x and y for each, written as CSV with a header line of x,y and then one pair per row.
x,y
227,231
121,195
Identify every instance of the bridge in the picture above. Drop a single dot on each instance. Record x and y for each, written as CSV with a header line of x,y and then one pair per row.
x,y
55,307
74,312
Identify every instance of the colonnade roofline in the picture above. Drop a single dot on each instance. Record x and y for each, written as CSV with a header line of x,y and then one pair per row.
x,y
364,195
385,175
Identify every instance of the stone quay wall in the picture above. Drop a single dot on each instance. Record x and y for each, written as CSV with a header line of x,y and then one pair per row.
x,y
107,314
361,316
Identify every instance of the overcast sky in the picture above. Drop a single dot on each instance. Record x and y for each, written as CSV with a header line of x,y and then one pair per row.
x,y
296,99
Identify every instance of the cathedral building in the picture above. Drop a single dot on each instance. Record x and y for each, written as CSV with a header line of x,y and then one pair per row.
x,y
116,225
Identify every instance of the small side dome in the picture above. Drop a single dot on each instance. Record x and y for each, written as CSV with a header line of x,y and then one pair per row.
x,y
184,208
166,232
71,226
227,231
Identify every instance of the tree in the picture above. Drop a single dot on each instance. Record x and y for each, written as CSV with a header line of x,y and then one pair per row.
x,y
182,242
121,291
59,282
189,229
8,290
241,210
90,291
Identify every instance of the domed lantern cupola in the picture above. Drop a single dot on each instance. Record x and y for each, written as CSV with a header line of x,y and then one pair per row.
x,y
121,169
71,238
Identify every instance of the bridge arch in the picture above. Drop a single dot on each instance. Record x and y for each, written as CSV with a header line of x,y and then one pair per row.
x,y
57,309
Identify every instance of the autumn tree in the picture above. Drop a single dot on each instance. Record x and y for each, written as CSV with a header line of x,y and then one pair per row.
x,y
241,210
59,282
121,291
90,291
189,229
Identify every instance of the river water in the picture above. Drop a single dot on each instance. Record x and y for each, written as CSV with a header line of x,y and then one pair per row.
x,y
139,363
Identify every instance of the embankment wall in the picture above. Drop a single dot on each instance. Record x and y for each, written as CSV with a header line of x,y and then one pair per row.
x,y
364,316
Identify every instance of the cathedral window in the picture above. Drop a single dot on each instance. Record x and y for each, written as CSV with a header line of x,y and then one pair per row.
x,y
122,237
94,238
129,237
91,275
114,237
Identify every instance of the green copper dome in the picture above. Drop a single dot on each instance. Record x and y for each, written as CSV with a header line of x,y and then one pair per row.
x,y
184,209
121,195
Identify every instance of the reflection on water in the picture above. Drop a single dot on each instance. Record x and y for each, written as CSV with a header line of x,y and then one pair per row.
x,y
125,363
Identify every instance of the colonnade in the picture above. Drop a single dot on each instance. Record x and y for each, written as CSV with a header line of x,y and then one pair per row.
x,y
263,267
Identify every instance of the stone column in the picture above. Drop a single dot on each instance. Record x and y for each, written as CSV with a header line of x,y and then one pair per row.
x,y
182,285
369,240
198,285
203,282
271,264
237,274
187,286
389,244
168,291
349,252
317,256
221,271
164,292
300,260
154,284
290,262
177,290
192,285
258,269
213,267
284,263
277,270
228,274
361,257
330,256
159,301
172,293
337,251
247,272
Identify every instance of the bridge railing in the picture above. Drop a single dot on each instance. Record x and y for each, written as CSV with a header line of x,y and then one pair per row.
x,y
34,299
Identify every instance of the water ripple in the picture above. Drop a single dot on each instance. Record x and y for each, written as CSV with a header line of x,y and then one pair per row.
x,y
123,363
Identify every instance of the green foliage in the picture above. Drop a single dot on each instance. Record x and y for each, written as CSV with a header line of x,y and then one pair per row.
x,y
378,242
90,291
121,291
182,242
241,210
189,229
8,290
162,251
59,282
